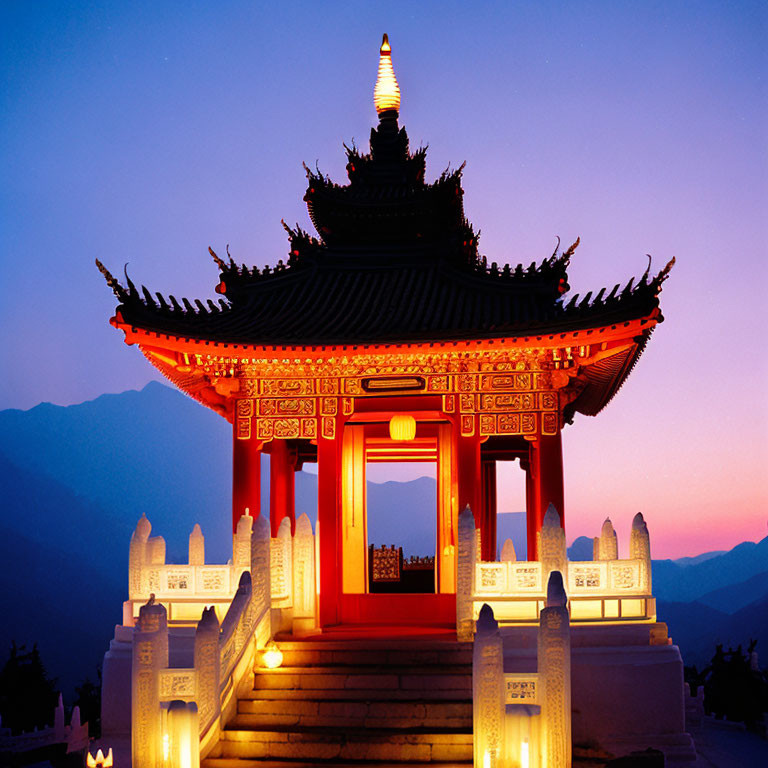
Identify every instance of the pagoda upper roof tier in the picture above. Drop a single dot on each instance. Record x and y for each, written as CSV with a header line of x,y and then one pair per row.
x,y
378,297
395,262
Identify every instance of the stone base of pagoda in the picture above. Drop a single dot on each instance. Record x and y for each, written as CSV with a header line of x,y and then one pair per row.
x,y
627,690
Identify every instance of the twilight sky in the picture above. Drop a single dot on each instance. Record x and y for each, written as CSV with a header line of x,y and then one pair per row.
x,y
143,132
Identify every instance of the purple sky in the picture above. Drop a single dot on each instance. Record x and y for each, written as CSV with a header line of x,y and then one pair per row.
x,y
143,132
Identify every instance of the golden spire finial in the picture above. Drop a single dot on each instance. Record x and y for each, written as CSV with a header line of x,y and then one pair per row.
x,y
386,94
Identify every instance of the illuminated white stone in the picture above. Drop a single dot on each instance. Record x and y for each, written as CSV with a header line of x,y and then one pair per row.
x,y
608,545
304,593
508,554
183,739
138,556
554,661
156,550
207,667
241,546
640,549
196,546
465,574
150,655
488,695
281,567
260,562
552,549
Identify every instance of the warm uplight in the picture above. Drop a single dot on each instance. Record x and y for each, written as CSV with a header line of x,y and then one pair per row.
x,y
386,94
402,426
525,759
99,761
272,657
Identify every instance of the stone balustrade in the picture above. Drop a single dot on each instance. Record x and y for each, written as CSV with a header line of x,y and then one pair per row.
x,y
524,719
234,609
604,589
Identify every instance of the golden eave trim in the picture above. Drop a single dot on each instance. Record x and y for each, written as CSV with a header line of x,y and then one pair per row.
x,y
597,334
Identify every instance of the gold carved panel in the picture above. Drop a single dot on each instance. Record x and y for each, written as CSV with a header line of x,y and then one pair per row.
x,y
449,403
509,423
351,387
286,429
265,429
487,424
287,387
438,384
467,425
300,406
329,427
328,386
328,406
520,401
549,423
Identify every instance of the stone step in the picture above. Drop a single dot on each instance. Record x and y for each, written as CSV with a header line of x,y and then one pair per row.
x,y
228,762
296,654
266,713
399,746
352,694
374,678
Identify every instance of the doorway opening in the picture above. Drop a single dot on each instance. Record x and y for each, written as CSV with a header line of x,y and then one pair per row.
x,y
401,527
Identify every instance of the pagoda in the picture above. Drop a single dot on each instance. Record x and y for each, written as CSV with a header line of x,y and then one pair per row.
x,y
388,337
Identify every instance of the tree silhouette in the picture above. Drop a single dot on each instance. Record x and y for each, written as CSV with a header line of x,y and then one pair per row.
x,y
28,696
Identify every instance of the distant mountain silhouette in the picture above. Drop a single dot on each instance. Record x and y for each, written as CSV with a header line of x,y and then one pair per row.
x,y
581,549
734,597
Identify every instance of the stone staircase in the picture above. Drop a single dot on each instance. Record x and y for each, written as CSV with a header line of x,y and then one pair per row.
x,y
355,702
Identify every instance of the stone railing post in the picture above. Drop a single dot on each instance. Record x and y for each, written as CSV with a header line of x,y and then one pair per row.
x,y
138,556
150,655
207,664
241,545
607,544
508,554
488,704
552,550
261,542
303,575
465,575
640,549
554,653
196,546
280,566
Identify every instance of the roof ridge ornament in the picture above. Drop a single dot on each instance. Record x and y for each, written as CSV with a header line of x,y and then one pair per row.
x,y
386,93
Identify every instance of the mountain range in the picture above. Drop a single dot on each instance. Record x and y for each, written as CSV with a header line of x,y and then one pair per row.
x,y
74,480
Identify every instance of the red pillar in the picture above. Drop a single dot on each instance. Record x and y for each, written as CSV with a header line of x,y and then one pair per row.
x,y
282,471
546,472
328,514
469,475
488,526
246,478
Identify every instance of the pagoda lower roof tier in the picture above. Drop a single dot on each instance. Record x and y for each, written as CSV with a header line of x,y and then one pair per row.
x,y
370,301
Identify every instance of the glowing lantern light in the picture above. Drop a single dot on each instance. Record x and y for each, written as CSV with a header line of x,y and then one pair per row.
x,y
99,761
402,426
386,94
525,760
272,656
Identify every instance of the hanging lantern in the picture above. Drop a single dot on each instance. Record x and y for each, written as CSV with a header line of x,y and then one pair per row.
x,y
402,427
